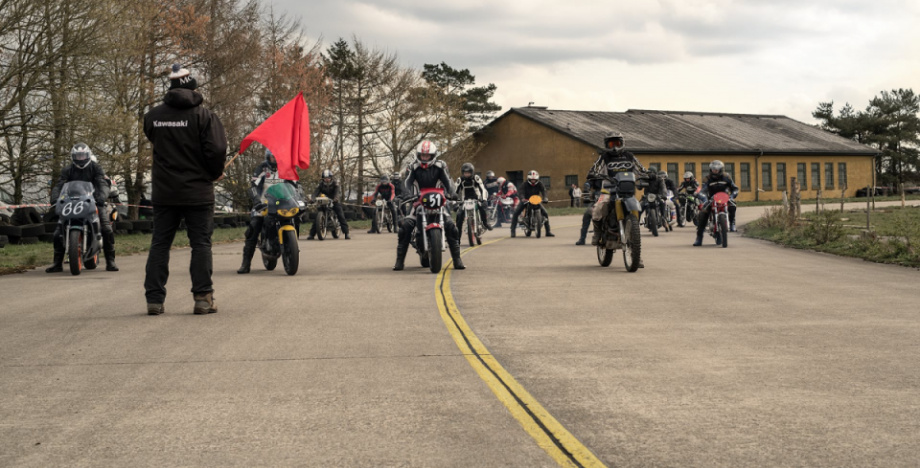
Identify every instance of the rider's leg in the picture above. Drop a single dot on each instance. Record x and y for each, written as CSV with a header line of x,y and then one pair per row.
x,y
249,247
597,214
702,221
405,232
337,207
515,216
453,242
546,221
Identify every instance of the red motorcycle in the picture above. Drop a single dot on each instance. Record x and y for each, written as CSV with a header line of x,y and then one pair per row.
x,y
430,211
718,218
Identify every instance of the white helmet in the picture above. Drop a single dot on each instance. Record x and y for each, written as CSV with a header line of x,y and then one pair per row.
x,y
688,176
716,166
426,153
81,155
500,180
533,177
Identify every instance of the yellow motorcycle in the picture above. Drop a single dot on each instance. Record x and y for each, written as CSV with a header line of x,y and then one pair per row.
x,y
279,232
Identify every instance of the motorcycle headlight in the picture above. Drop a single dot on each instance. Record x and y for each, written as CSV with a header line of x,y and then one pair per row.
x,y
289,213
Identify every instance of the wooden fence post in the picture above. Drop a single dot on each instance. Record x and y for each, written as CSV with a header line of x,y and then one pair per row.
x,y
903,197
843,194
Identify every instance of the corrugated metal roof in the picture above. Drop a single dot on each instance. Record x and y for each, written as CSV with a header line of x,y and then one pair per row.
x,y
652,131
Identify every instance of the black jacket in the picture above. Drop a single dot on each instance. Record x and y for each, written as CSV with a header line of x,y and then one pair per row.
x,y
93,172
655,186
330,191
189,149
428,177
719,183
528,191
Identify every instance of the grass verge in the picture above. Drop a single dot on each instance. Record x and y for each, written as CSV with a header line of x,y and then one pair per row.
x,y
894,236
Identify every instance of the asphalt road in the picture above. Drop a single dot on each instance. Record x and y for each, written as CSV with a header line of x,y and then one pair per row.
x,y
754,355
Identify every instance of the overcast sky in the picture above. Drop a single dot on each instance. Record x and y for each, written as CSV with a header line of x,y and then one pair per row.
x,y
752,57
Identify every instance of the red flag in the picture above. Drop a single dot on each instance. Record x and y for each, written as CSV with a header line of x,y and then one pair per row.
x,y
286,134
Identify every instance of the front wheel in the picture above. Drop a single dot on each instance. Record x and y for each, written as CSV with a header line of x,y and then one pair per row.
x,y
290,252
380,221
538,220
651,220
471,228
632,253
435,250
75,251
604,255
723,226
320,224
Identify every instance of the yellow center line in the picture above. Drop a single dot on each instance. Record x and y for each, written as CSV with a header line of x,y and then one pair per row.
x,y
549,434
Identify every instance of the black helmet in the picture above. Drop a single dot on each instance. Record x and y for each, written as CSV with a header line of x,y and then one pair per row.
x,y
395,176
716,167
384,179
467,167
490,175
614,141
81,155
270,158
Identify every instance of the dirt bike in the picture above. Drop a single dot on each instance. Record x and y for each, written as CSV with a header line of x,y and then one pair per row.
x,y
689,209
431,242
474,226
621,223
533,216
278,238
326,220
80,226
382,215
718,218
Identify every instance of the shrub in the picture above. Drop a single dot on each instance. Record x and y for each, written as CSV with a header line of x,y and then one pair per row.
x,y
825,226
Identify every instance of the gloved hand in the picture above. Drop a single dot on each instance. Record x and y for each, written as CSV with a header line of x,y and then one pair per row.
x,y
733,196
99,202
259,206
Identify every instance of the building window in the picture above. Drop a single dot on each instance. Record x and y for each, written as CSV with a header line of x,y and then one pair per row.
x,y
515,177
816,176
690,167
745,176
780,176
829,175
803,177
730,170
571,180
842,175
545,180
766,176
704,170
672,171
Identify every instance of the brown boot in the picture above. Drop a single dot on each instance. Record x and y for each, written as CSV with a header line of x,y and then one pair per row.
x,y
204,304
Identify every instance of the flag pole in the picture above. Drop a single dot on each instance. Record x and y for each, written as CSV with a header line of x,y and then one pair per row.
x,y
231,161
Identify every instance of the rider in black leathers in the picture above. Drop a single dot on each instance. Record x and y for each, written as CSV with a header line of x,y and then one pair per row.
x,y
470,187
83,168
492,184
427,172
387,191
614,158
532,187
588,197
717,181
688,186
659,184
329,187
265,175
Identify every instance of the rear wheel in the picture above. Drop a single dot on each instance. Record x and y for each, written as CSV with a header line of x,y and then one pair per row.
x,y
435,250
75,251
632,253
320,224
290,252
389,221
91,263
723,226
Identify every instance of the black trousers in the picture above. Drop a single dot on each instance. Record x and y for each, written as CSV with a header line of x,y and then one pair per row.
x,y
199,222
520,209
390,206
461,216
407,227
253,231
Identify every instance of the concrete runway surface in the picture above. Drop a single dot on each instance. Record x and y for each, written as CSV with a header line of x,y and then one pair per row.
x,y
754,355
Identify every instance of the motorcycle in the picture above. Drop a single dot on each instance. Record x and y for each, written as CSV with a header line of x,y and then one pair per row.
x,y
278,238
80,226
326,219
382,214
689,209
533,216
621,223
500,210
474,226
718,218
431,239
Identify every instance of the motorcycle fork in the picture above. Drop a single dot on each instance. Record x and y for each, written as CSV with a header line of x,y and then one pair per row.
x,y
423,230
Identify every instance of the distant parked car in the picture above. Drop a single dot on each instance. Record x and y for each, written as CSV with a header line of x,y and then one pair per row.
x,y
911,190
878,191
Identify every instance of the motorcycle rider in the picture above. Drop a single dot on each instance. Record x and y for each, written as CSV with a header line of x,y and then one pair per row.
x,y
659,184
470,187
427,172
689,186
387,191
265,175
532,187
83,168
329,187
717,181
491,183
506,189
614,158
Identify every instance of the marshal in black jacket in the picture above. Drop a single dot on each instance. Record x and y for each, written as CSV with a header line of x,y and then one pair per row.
x,y
189,149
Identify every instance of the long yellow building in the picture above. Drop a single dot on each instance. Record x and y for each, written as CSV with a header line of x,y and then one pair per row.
x,y
762,153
